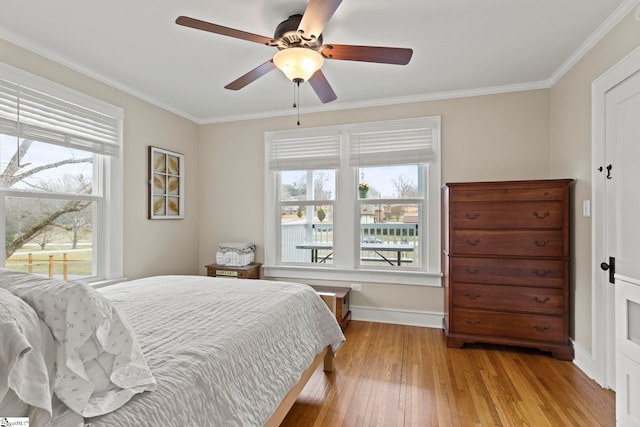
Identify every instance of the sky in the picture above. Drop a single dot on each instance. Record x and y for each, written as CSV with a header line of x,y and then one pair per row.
x,y
379,179
42,154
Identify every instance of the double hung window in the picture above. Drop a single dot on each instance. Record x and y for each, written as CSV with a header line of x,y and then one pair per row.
x,y
60,180
355,202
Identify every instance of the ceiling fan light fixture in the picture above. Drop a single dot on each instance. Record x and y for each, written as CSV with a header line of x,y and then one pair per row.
x,y
298,63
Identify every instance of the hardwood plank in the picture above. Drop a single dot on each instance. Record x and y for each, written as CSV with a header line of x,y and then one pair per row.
x,y
403,376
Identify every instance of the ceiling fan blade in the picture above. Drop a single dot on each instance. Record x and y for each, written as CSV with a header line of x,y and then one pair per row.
x,y
225,31
316,16
322,88
251,76
382,55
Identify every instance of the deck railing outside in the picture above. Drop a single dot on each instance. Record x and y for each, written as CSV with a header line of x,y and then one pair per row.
x,y
49,265
396,233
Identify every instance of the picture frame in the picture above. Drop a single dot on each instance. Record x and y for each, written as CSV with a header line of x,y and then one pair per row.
x,y
166,184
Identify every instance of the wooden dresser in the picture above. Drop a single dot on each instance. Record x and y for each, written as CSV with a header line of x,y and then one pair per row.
x,y
507,264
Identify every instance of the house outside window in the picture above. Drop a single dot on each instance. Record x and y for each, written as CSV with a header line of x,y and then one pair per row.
x,y
60,180
355,202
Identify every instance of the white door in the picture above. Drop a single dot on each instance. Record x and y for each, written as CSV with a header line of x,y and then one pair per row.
x,y
622,186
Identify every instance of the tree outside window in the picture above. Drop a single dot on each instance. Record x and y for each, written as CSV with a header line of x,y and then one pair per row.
x,y
46,215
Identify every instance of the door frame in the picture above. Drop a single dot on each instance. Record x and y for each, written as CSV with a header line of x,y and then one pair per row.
x,y
602,302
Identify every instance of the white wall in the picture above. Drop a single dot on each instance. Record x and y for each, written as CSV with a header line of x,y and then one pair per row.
x,y
570,113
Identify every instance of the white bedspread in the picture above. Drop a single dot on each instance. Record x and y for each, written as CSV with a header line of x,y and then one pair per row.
x,y
224,351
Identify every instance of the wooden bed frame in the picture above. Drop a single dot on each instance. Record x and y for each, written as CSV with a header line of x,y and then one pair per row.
x,y
325,355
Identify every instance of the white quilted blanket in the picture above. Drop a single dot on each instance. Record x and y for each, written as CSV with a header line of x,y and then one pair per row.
x,y
224,351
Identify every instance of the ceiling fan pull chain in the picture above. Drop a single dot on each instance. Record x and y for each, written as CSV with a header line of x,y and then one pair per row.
x,y
294,96
298,100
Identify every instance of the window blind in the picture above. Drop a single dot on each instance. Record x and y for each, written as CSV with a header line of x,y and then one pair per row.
x,y
304,153
31,114
391,147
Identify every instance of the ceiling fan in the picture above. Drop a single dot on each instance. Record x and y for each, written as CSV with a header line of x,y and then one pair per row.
x,y
300,50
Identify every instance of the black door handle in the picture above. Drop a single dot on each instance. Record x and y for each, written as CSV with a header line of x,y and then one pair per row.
x,y
609,167
611,267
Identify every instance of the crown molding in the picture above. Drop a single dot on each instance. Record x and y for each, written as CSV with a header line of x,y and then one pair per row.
x,y
437,96
11,37
593,39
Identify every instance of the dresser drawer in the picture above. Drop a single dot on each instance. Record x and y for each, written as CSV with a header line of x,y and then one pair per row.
x,y
506,271
510,325
506,192
529,215
514,298
508,243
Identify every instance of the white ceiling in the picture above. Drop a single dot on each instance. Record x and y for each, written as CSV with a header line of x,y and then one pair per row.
x,y
460,47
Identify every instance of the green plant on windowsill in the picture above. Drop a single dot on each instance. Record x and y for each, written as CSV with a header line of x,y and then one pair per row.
x,y
363,189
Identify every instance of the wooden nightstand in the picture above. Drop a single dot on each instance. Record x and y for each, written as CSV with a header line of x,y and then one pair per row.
x,y
251,271
343,313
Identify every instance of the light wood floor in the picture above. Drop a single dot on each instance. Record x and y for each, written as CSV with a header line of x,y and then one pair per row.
x,y
391,375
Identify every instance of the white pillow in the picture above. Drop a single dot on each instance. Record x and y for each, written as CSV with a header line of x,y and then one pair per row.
x,y
24,365
90,333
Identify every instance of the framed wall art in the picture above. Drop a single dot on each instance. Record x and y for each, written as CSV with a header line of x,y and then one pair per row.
x,y
166,184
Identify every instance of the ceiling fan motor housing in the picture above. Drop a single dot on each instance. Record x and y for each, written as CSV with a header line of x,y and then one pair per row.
x,y
286,35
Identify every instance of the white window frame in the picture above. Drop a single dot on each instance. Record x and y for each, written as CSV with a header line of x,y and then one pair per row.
x,y
346,214
108,180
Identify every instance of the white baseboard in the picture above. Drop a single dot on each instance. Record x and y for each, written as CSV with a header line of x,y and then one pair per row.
x,y
584,360
397,317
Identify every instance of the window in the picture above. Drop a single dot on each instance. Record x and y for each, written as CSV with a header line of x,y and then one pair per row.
x,y
355,202
60,180
306,199
391,199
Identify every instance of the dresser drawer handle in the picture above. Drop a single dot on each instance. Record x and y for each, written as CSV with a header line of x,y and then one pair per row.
x,y
471,296
541,243
471,270
472,216
540,328
541,300
472,322
473,243
543,216
541,273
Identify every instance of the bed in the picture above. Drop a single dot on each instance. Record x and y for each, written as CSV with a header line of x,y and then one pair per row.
x,y
187,350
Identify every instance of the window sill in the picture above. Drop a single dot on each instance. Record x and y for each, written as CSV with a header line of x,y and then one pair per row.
x,y
412,278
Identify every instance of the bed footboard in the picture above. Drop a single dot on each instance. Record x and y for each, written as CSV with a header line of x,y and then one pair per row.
x,y
329,299
326,356
288,401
